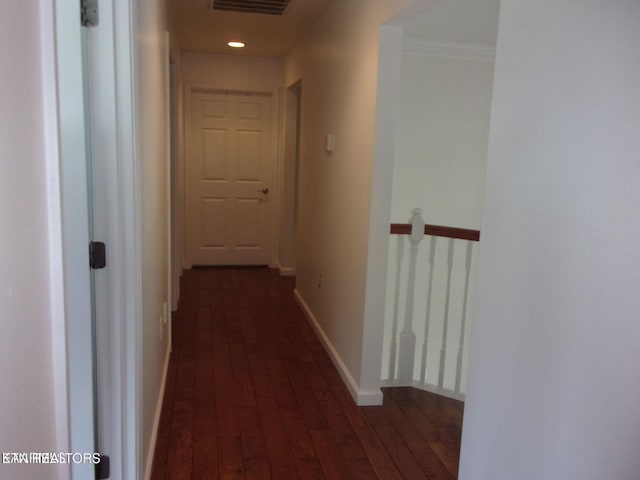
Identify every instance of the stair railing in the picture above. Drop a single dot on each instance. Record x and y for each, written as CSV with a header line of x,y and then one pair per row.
x,y
436,288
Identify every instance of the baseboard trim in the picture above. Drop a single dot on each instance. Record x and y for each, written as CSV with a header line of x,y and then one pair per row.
x,y
361,397
156,420
444,392
286,271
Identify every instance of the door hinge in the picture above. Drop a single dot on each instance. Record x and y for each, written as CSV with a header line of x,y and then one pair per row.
x,y
97,255
103,468
89,13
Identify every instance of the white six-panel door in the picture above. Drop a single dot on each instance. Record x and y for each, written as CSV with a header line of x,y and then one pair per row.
x,y
229,171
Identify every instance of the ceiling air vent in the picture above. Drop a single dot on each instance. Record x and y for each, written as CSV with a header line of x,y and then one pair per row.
x,y
268,7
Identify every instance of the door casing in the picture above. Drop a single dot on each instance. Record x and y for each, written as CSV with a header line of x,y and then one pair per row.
x,y
113,115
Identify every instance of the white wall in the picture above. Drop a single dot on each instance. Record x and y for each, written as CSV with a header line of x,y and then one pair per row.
x,y
553,389
153,163
30,418
337,60
443,128
228,71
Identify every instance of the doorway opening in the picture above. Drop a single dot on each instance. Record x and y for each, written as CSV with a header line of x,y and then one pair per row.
x,y
289,173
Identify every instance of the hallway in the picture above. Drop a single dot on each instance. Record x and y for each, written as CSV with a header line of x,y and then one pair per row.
x,y
251,393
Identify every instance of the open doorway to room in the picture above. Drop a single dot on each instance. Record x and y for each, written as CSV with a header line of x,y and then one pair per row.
x,y
444,101
439,108
289,175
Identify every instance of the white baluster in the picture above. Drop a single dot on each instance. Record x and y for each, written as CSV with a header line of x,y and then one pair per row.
x,y
464,314
407,336
393,351
445,326
425,344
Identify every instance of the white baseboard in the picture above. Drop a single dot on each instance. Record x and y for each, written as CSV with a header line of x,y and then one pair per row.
x,y
156,419
444,392
286,271
361,397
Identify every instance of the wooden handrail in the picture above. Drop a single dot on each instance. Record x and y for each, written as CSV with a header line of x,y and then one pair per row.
x,y
438,231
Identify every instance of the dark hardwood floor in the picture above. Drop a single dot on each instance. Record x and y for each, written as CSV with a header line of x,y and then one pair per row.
x,y
252,394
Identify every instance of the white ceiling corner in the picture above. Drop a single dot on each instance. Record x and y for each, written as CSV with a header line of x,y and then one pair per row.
x,y
471,24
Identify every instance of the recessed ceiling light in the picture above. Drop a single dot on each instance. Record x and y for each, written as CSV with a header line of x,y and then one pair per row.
x,y
236,44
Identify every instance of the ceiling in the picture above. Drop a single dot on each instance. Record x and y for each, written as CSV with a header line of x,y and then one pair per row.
x,y
458,22
200,29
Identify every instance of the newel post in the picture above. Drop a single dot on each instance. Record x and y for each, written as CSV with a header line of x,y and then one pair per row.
x,y
407,336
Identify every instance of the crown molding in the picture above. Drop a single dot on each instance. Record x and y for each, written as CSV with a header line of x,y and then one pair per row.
x,y
413,46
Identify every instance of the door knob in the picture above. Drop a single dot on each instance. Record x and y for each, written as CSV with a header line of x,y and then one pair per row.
x,y
265,190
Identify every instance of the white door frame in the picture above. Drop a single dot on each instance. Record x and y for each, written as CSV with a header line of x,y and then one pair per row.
x,y
188,92
115,114
68,226
117,215
288,174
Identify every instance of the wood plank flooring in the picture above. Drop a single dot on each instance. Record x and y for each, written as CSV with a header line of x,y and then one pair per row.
x,y
252,394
